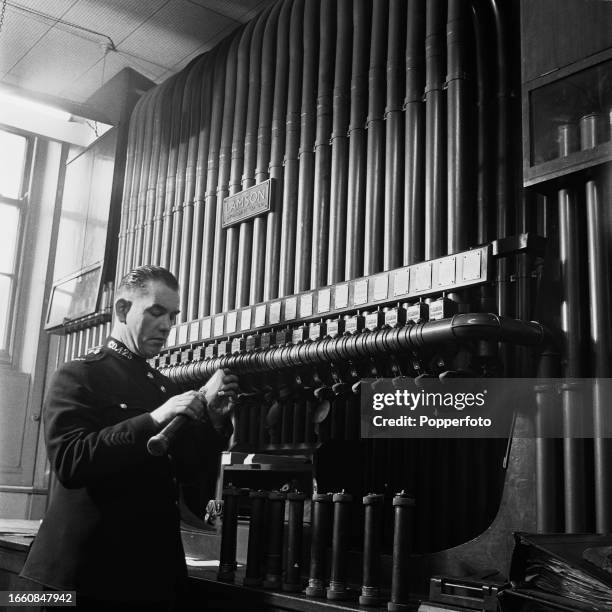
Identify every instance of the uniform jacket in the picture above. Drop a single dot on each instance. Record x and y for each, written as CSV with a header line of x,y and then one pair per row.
x,y
112,526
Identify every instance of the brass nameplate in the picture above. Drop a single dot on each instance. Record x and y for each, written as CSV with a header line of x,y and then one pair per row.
x,y
249,203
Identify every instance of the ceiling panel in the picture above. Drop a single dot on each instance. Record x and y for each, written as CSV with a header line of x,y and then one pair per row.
x,y
18,34
39,69
176,31
115,18
240,10
55,8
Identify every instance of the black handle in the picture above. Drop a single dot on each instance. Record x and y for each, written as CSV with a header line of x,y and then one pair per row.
x,y
159,444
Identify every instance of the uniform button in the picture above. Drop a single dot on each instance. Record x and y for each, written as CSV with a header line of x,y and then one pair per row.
x,y
150,374
163,388
123,406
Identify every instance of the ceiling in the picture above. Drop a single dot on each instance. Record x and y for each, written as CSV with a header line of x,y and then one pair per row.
x,y
69,48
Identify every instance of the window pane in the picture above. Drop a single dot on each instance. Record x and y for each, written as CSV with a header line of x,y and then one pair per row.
x,y
5,300
9,224
12,163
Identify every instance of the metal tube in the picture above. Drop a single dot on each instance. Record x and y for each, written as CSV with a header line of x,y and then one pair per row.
x,y
321,524
357,141
197,228
435,156
237,164
245,238
210,198
459,100
225,156
413,249
372,537
337,589
403,505
339,145
375,182
257,535
263,150
573,448
277,149
286,246
320,213
293,559
229,528
303,234
274,552
394,152
200,70
601,351
167,246
160,187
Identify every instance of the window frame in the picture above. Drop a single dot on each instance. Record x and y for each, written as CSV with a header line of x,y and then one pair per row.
x,y
21,203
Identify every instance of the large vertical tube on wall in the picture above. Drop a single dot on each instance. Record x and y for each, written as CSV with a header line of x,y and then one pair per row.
x,y
320,213
303,234
339,145
375,180
210,198
237,163
263,150
173,157
184,247
225,157
413,246
435,121
245,238
357,140
286,261
573,448
156,145
459,101
201,175
601,353
277,149
394,144
160,186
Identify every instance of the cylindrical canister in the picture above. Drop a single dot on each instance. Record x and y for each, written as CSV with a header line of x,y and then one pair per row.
x,y
229,528
255,551
403,505
592,129
337,589
372,533
293,558
321,522
274,552
567,139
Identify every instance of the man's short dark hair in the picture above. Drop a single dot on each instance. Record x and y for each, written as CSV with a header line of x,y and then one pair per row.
x,y
139,277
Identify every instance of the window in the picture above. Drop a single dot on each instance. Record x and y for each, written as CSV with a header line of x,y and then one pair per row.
x,y
14,152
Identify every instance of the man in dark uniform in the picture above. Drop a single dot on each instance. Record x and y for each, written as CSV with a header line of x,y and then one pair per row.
x,y
111,531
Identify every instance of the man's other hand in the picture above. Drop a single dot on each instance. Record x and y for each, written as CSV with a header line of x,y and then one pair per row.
x,y
188,404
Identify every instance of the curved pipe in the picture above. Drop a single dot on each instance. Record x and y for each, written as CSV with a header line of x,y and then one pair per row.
x,y
394,148
353,267
460,328
264,141
339,146
303,234
458,124
435,121
375,182
245,236
414,155
286,261
320,213
277,149
212,177
197,228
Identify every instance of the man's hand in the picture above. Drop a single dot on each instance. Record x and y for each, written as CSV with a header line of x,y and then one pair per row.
x,y
219,393
188,404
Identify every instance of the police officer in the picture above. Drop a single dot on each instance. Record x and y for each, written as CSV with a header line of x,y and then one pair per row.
x,y
111,532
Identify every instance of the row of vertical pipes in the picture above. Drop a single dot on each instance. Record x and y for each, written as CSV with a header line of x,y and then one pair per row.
x,y
360,111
